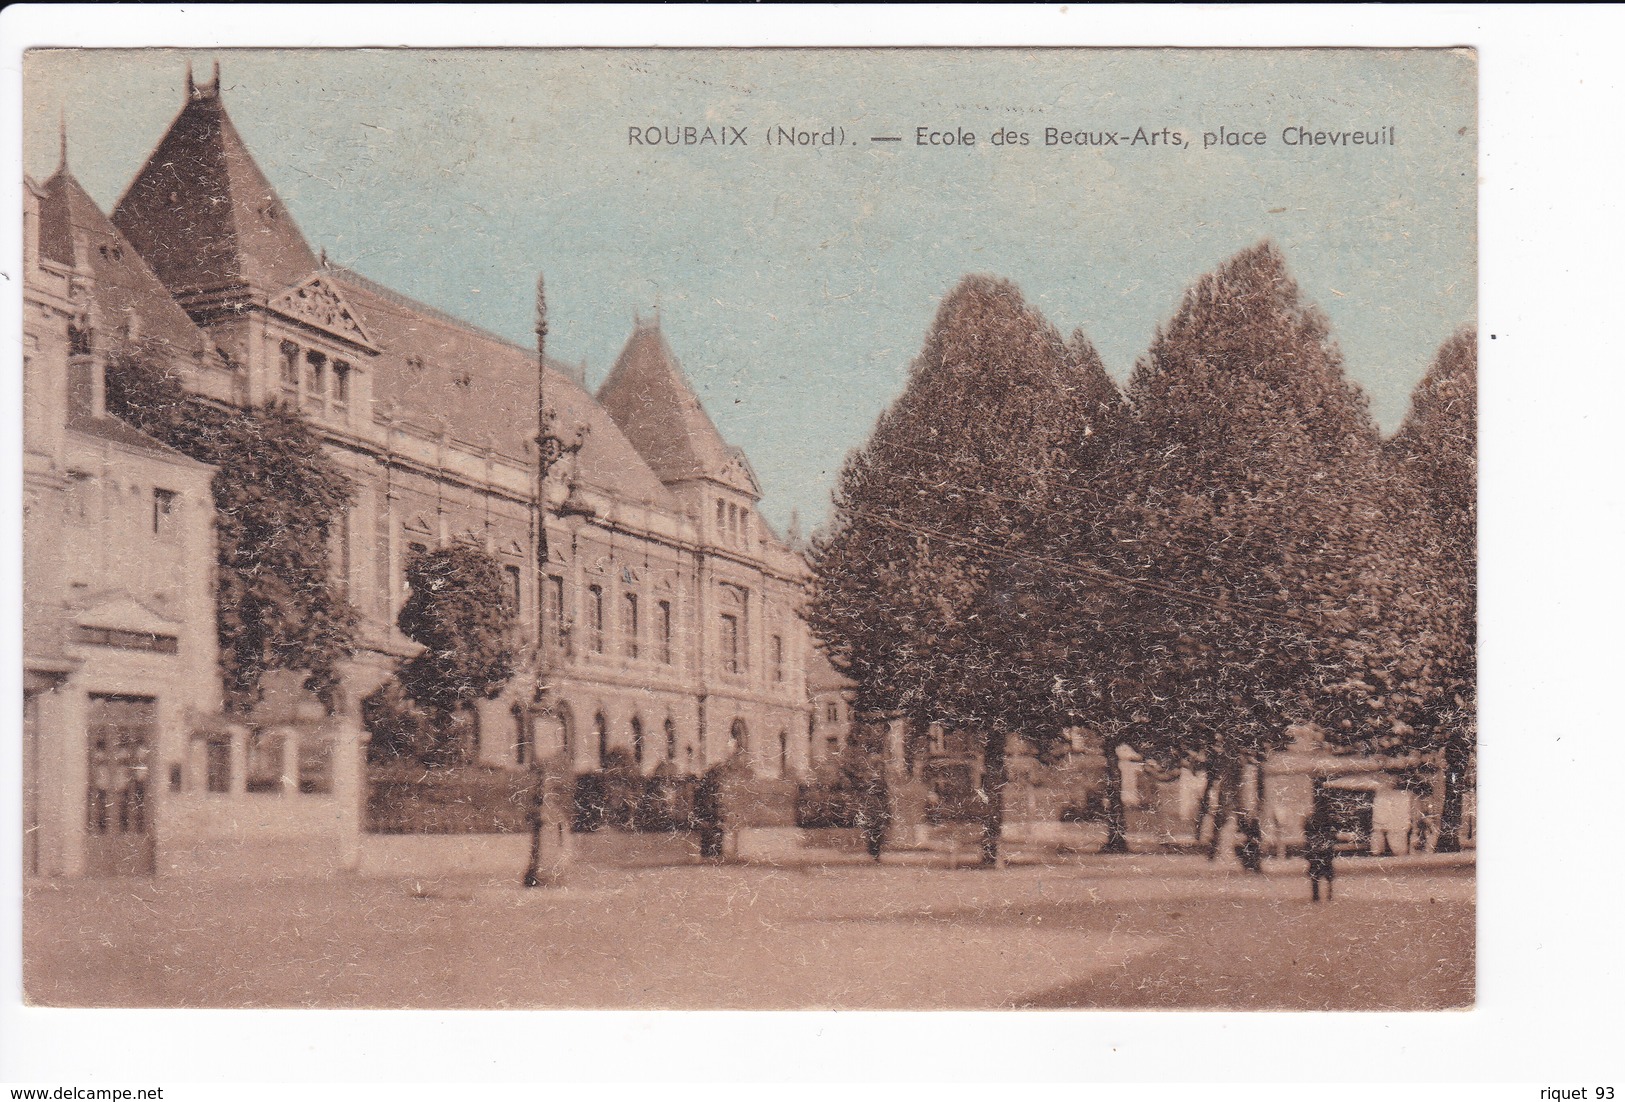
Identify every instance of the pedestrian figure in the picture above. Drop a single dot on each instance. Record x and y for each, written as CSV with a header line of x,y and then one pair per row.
x,y
874,811
1424,827
1320,847
708,815
1251,848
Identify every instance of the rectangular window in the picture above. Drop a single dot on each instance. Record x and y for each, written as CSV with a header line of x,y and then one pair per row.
x,y
217,765
264,762
629,623
665,632
288,365
413,550
730,643
341,381
315,766
555,609
315,375
778,658
515,588
163,508
595,619
833,713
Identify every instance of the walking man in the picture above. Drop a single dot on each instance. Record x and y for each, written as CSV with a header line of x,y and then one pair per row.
x,y
1320,847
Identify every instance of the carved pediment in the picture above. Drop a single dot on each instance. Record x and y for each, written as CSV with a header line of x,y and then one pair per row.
x,y
318,303
738,473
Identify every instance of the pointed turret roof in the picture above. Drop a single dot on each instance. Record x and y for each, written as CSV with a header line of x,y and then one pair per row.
x,y
203,214
122,288
651,401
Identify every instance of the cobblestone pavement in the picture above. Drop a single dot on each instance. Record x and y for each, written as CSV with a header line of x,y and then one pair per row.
x,y
1123,932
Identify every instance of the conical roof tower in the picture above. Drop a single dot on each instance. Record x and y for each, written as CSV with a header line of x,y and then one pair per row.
x,y
204,216
650,400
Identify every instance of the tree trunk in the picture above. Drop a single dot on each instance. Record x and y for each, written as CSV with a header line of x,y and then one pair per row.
x,y
995,773
1455,791
533,868
1210,778
1116,826
1229,774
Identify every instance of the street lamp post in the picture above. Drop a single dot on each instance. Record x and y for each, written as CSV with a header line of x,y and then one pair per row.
x,y
551,448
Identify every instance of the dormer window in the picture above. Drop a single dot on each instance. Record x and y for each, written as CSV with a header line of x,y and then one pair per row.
x,y
315,374
288,365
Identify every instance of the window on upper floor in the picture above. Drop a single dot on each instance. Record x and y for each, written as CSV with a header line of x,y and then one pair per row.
x,y
595,618
341,381
777,647
79,338
412,551
722,517
629,623
163,512
732,659
515,591
665,632
832,713
555,609
315,375
288,365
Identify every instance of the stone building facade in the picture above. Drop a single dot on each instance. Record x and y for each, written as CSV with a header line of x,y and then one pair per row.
x,y
665,620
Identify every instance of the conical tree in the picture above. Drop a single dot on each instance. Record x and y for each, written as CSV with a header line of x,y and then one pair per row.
x,y
926,595
1436,451
1251,515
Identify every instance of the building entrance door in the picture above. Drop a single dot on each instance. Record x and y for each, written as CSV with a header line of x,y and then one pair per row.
x,y
118,827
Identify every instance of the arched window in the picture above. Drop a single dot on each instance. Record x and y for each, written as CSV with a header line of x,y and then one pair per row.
x,y
637,740
738,738
601,728
784,753
671,742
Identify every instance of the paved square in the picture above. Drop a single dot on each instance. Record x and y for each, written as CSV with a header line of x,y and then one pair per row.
x,y
1132,932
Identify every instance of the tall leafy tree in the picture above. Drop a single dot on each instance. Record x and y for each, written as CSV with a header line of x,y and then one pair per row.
x,y
277,499
1264,578
1436,451
460,611
925,595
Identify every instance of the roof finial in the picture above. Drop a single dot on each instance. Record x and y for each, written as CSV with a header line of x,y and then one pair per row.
x,y
191,85
541,319
321,258
216,80
62,140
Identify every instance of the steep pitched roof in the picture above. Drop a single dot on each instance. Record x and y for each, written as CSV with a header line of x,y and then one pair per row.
x,y
652,402
203,214
434,367
822,676
122,288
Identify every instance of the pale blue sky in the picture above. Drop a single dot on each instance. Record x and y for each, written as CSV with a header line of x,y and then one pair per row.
x,y
796,284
